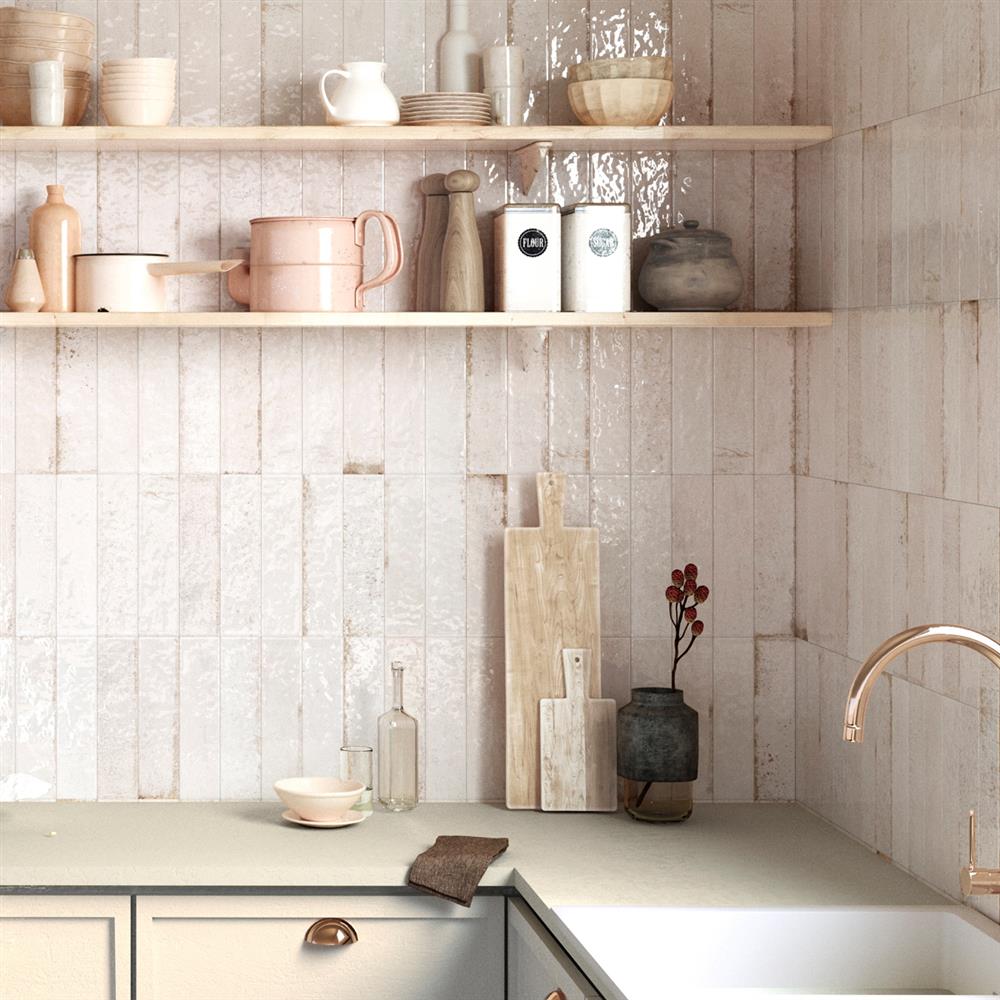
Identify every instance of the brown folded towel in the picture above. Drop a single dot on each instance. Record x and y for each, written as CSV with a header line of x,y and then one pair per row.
x,y
453,867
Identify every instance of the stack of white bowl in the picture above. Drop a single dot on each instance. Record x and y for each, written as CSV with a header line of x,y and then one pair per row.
x,y
139,91
28,36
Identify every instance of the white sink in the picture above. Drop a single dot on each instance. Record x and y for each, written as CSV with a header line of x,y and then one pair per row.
x,y
649,953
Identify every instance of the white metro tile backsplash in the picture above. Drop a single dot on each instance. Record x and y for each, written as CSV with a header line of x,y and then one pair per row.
x,y
212,543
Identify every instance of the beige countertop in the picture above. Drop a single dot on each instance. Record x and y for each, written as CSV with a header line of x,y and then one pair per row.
x,y
725,855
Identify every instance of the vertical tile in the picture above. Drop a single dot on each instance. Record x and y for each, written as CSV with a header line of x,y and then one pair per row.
x,y
76,719
280,708
733,555
691,509
8,413
405,557
651,554
76,554
989,45
610,507
692,37
960,420
322,705
773,61
733,190
159,401
364,562
404,387
199,224
846,91
733,402
199,704
445,553
240,529
35,709
281,555
322,48
527,399
157,715
610,401
322,556
241,199
363,688
76,400
322,401
691,400
733,720
652,351
8,706
35,554
446,727
158,207
446,401
569,401
199,557
733,63
774,401
486,401
117,400
240,402
35,412
364,388
199,65
774,555
486,518
988,463
117,555
199,401
281,401
926,48
117,719
8,554
240,62
486,721
239,715
774,237
774,720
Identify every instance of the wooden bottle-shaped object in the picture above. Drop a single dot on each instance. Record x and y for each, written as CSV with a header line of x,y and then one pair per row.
x,y
431,243
462,254
54,235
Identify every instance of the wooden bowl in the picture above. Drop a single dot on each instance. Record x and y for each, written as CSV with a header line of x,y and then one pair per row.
x,y
17,52
45,19
620,102
15,105
634,68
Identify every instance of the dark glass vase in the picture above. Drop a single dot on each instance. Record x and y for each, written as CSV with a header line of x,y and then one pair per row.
x,y
658,754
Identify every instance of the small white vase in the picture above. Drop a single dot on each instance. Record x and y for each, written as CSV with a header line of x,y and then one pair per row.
x,y
460,63
361,97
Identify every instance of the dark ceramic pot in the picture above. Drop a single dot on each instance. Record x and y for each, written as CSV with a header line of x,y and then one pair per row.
x,y
658,754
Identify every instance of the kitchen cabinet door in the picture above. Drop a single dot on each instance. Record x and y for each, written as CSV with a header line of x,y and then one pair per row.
x,y
381,947
65,947
537,966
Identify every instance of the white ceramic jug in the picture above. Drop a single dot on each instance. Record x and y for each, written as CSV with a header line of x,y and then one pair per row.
x,y
361,97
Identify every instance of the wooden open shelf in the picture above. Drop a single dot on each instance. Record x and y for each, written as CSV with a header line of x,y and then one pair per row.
x,y
415,319
326,137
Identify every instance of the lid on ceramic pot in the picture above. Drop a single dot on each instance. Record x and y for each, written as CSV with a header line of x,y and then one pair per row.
x,y
690,238
121,255
593,206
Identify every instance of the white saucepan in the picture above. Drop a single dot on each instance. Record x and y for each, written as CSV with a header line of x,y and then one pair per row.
x,y
133,282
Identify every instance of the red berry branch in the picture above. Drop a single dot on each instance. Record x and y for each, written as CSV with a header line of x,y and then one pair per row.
x,y
683,597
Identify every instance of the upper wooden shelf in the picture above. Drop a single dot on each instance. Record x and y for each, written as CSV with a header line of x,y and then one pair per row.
x,y
318,137
416,319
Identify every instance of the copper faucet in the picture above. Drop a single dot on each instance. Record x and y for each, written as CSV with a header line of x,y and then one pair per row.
x,y
975,881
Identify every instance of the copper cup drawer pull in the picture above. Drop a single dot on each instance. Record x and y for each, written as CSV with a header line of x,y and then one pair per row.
x,y
331,932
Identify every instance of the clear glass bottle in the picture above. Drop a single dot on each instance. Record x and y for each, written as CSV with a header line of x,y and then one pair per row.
x,y
397,751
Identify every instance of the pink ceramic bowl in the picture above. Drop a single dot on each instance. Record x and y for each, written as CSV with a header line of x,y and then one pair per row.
x,y
321,800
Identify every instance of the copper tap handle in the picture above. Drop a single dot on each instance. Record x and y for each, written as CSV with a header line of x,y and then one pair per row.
x,y
972,838
556,994
333,932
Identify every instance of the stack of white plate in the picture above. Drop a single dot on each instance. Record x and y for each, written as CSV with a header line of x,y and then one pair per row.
x,y
445,109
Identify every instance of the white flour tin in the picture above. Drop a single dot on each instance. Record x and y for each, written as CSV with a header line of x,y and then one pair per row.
x,y
527,258
597,258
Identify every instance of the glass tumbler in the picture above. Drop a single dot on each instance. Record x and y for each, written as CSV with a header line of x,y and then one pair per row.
x,y
356,765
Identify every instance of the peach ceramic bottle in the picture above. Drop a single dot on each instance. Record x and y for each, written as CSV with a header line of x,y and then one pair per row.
x,y
54,234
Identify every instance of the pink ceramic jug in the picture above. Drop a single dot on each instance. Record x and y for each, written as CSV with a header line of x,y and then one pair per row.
x,y
304,264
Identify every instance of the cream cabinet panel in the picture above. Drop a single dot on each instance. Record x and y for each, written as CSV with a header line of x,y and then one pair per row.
x,y
222,947
65,947
537,966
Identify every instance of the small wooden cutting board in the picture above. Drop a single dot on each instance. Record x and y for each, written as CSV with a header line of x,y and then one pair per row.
x,y
577,735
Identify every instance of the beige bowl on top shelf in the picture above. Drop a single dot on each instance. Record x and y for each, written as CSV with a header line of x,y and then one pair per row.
x,y
15,105
620,102
631,68
321,800
156,63
137,111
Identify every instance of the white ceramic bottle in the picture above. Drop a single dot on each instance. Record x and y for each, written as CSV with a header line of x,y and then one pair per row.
x,y
460,62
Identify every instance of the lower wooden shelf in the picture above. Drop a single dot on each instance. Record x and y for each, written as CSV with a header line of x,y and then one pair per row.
x,y
414,319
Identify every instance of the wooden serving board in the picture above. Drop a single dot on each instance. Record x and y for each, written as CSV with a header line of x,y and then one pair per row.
x,y
551,595
577,742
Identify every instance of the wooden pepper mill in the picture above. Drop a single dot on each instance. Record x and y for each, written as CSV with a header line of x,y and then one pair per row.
x,y
431,243
462,254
